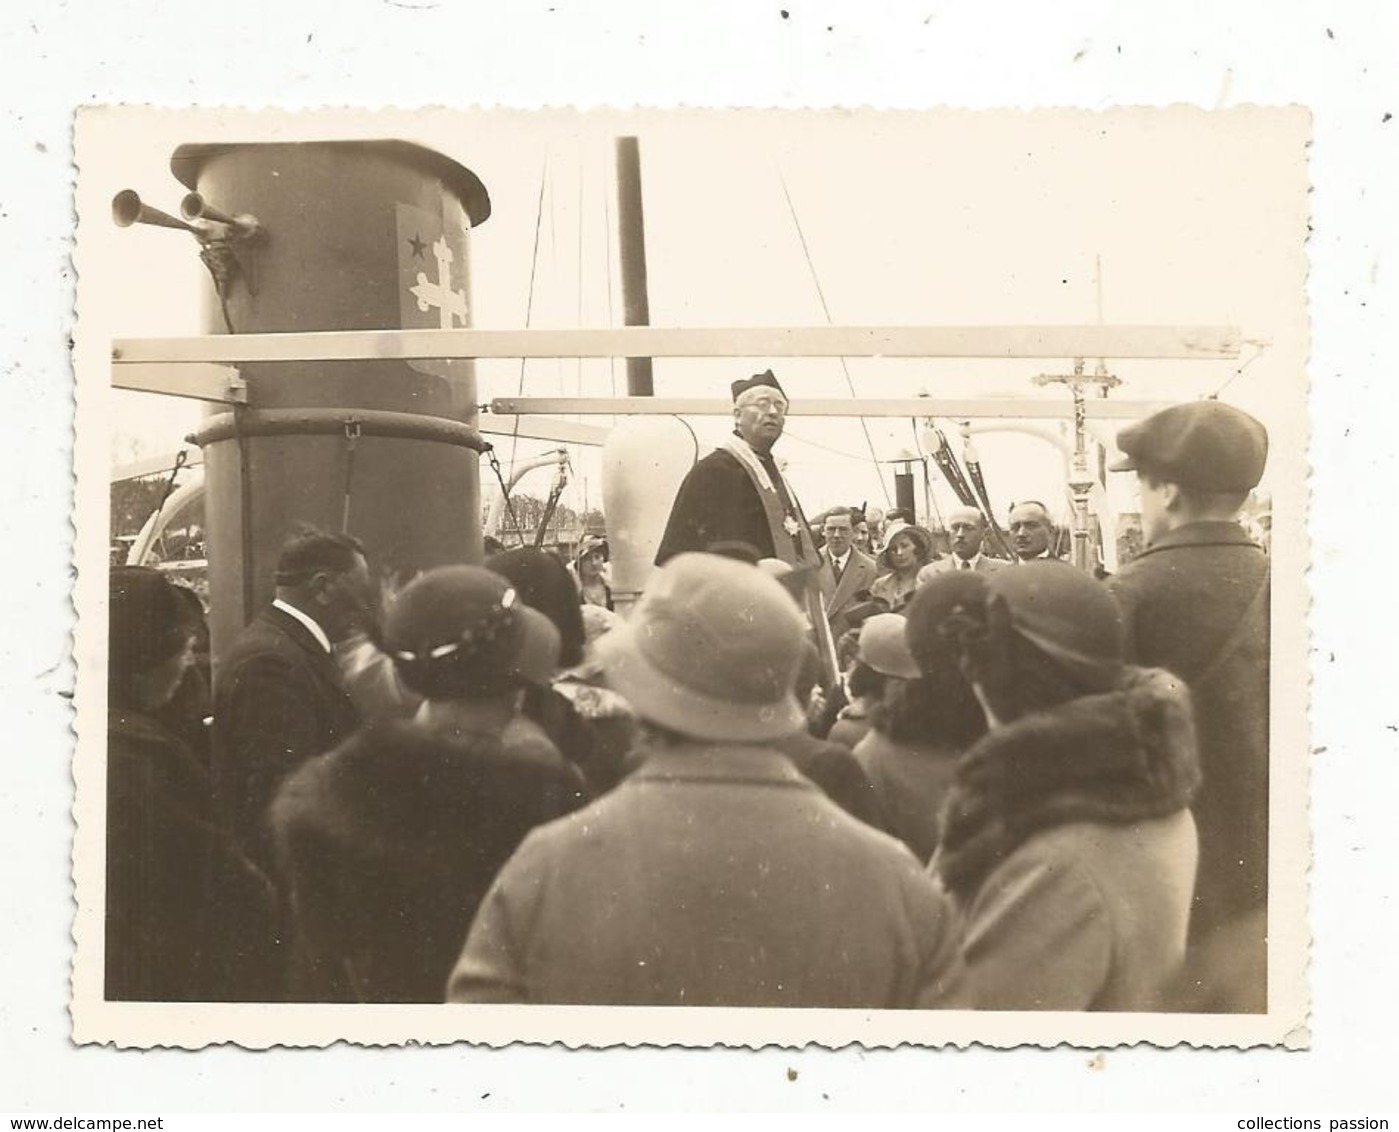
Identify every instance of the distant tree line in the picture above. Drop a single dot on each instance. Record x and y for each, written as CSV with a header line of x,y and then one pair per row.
x,y
565,525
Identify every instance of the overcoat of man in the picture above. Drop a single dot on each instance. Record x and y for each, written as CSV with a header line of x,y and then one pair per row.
x,y
280,699
1196,602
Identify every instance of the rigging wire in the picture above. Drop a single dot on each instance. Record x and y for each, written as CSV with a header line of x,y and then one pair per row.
x,y
1258,349
787,434
826,310
575,452
529,299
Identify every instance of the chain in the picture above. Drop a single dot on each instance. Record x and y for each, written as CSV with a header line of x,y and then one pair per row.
x,y
180,458
505,493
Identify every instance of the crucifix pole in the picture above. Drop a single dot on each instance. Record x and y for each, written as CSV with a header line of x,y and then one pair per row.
x,y
1081,477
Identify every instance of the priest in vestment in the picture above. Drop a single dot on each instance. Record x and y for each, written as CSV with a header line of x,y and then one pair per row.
x,y
737,493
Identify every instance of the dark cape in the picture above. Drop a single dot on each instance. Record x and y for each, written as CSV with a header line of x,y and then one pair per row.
x,y
390,842
719,502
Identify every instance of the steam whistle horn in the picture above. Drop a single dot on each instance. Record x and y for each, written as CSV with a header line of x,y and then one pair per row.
x,y
127,209
195,207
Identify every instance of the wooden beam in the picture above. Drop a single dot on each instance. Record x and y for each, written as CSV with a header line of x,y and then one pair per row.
x,y
1177,342
198,380
1020,408
542,428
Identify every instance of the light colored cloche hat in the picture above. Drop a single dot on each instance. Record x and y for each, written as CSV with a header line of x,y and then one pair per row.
x,y
884,647
711,651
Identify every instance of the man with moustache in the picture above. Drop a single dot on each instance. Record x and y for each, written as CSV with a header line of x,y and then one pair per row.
x,y
1032,531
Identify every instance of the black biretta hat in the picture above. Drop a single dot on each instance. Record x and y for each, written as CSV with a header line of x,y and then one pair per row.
x,y
738,388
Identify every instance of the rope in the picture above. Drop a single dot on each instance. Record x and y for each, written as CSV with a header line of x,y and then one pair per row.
x,y
826,310
222,263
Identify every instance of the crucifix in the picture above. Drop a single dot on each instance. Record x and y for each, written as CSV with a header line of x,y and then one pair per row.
x,y
449,303
1081,477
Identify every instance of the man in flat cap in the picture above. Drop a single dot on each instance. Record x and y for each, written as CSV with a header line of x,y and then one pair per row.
x,y
1196,602
737,493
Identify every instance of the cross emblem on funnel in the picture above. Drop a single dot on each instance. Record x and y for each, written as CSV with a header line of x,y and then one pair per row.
x,y
440,294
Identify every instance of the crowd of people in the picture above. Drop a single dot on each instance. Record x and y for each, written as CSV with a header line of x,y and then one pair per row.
x,y
793,774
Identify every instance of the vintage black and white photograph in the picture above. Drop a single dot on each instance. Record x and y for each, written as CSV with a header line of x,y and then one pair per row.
x,y
838,572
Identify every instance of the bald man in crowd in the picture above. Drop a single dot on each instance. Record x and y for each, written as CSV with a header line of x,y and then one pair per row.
x,y
967,528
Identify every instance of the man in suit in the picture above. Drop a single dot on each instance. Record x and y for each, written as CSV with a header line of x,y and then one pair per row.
x,y
967,528
1196,602
846,573
737,493
1032,531
279,698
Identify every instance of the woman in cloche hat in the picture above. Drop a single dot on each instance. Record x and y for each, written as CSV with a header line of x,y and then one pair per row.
x,y
1067,843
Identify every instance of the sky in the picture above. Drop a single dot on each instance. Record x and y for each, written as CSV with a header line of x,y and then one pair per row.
x,y
941,218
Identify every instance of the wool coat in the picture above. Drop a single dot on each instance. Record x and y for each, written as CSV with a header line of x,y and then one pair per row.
x,y
1196,602
834,769
388,844
189,917
714,875
278,700
910,782
1069,848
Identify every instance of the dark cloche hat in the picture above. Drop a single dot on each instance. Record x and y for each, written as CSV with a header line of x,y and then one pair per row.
x,y
739,388
473,621
1205,445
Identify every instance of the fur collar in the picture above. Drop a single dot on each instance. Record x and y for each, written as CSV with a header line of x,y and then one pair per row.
x,y
1119,757
399,785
